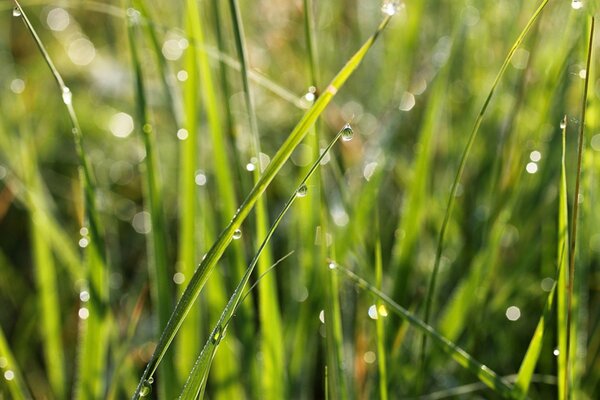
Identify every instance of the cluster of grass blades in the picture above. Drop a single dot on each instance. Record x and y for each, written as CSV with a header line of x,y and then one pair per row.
x,y
408,212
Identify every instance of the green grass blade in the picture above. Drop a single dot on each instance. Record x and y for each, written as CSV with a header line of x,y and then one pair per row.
x,y
464,359
573,237
463,161
45,271
296,136
381,357
197,378
94,329
272,368
9,369
160,278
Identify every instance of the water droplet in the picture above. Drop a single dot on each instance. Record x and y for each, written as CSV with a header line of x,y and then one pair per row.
x,y
67,96
513,313
9,375
237,234
322,316
535,156
83,242
563,123
217,335
302,191
577,4
182,134
332,265
373,312
347,133
16,12
391,7
556,352
84,296
146,388
83,313
531,168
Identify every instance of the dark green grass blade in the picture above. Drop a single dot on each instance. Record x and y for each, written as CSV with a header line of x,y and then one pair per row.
x,y
282,155
160,278
463,161
574,217
94,330
464,359
197,378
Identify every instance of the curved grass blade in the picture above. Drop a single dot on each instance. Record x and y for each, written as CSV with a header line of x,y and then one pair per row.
x,y
463,161
95,329
573,236
197,378
464,359
205,268
157,244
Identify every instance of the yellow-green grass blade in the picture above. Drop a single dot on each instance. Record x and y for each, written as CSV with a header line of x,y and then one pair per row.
x,y
271,335
160,279
465,154
197,378
464,359
570,326
46,281
381,356
201,275
94,329
10,373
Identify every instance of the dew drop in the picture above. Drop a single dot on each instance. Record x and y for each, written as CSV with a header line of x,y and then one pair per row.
x,y
332,265
217,335
146,388
302,191
577,4
237,234
556,352
16,12
67,96
347,133
391,7
563,123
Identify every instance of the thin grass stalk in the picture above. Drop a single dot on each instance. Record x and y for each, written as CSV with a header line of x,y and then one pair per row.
x,y
381,356
464,359
573,236
273,369
157,244
463,161
198,376
204,270
94,331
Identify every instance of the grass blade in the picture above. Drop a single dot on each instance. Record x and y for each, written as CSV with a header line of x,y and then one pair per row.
x,y
464,359
202,273
463,161
573,236
94,329
197,378
381,358
157,244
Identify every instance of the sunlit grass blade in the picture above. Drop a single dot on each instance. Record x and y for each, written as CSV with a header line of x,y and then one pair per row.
x,y
463,161
197,378
464,359
201,275
94,329
381,355
9,368
46,281
570,327
160,279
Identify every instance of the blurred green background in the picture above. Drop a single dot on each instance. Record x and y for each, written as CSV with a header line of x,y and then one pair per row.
x,y
412,104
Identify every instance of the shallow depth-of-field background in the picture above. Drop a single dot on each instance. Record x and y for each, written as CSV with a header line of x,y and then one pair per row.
x,y
93,260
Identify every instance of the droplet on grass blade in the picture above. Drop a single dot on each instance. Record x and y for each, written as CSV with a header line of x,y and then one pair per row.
x,y
217,336
347,133
237,234
563,123
67,96
16,12
146,388
302,191
391,7
577,4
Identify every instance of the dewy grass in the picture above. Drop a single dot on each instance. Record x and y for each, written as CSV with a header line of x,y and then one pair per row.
x,y
95,326
463,161
201,275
